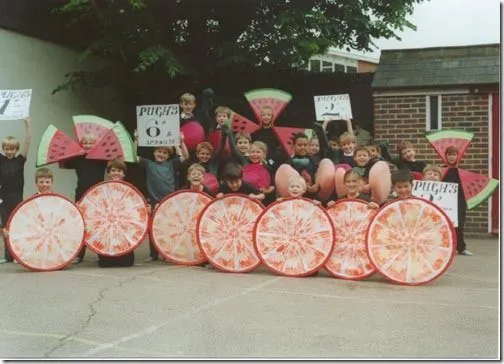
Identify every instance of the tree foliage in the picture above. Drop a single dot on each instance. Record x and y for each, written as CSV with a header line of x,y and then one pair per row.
x,y
195,37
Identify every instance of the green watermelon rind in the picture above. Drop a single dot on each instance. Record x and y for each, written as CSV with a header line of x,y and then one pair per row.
x,y
90,119
483,195
453,133
43,147
268,93
126,142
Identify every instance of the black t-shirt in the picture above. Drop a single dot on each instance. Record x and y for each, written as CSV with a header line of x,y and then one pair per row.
x,y
453,176
89,172
11,175
267,136
245,188
416,166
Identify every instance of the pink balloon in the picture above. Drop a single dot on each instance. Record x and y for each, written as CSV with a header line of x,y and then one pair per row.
x,y
193,134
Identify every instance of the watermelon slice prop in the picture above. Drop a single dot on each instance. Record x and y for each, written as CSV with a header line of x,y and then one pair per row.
x,y
276,99
477,187
349,259
56,146
240,123
294,237
46,232
115,144
224,233
116,217
442,139
90,124
285,136
173,227
411,241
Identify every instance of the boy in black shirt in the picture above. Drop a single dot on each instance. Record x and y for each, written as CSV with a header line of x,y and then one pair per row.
x,y
232,176
407,158
303,163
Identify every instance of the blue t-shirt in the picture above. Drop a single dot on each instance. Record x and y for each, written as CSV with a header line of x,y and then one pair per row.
x,y
160,179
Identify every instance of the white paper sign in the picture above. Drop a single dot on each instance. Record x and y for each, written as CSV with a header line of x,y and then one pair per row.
x,y
15,104
333,107
158,125
442,194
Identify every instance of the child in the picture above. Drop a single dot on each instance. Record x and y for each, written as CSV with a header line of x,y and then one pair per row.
x,y
347,145
402,183
328,147
303,163
89,172
353,180
362,167
232,176
260,175
267,135
315,152
161,177
187,104
43,180
452,176
116,171
240,147
432,173
407,158
297,189
195,176
12,177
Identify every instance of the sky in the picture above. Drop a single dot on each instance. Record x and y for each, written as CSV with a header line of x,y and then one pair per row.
x,y
449,23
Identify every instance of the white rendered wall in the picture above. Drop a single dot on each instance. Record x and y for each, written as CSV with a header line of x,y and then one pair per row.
x,y
30,63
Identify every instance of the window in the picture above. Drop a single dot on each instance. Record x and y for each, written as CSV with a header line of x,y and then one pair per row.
x,y
433,111
315,65
327,66
339,67
351,69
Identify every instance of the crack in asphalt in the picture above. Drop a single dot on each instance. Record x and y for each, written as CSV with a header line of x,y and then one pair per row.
x,y
92,313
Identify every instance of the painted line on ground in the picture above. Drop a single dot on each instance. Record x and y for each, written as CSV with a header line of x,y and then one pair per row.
x,y
153,328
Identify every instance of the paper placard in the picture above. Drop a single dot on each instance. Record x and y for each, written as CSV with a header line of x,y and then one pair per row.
x,y
15,104
333,107
158,125
442,194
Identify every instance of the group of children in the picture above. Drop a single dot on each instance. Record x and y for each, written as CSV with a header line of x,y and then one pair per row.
x,y
261,154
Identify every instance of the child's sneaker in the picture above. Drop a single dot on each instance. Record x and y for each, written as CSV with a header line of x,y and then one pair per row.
x,y
466,253
151,259
3,261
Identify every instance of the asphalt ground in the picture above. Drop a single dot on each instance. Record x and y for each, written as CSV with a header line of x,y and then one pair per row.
x,y
161,310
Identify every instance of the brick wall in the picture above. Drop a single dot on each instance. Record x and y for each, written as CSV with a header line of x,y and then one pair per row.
x,y
398,118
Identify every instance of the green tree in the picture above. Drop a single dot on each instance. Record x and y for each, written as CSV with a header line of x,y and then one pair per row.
x,y
195,37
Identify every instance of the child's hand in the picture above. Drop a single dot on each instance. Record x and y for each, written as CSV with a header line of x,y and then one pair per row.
x,y
135,135
182,137
306,176
317,202
373,205
5,233
365,188
27,120
257,197
331,203
219,195
313,188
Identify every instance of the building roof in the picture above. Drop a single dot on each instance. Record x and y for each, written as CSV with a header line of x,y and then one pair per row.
x,y
444,66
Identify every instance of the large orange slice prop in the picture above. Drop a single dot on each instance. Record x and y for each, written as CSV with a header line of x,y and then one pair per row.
x,y
380,181
325,177
173,227
224,233
349,259
46,232
282,176
116,216
411,241
294,237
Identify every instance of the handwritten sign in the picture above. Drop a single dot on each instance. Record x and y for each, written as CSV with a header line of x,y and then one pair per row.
x,y
442,194
15,104
333,107
158,125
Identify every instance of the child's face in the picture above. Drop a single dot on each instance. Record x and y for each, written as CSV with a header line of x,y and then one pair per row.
x,y
373,152
256,154
10,151
314,146
432,176
116,174
451,158
352,184
266,117
296,189
234,185
188,106
408,154
333,144
195,177
403,189
161,155
204,155
243,145
221,118
44,184
301,146
361,158
348,147
88,143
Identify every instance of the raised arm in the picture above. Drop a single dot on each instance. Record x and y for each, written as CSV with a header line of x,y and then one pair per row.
x,y
26,143
349,126
183,148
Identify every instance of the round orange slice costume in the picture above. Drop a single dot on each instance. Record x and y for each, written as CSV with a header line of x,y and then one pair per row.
x,y
294,237
411,241
224,233
116,216
349,259
173,227
46,232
